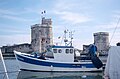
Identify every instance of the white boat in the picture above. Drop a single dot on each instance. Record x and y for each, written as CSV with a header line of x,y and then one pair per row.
x,y
63,60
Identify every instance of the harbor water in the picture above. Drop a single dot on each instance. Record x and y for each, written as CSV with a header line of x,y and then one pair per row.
x,y
15,73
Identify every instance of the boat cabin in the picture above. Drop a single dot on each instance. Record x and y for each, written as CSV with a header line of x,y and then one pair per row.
x,y
63,53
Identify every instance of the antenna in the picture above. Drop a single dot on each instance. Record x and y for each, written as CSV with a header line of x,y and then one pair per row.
x,y
71,36
65,40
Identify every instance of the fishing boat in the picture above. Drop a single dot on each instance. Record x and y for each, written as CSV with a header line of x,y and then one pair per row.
x,y
63,60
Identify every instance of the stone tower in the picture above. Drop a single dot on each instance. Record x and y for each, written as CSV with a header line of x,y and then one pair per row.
x,y
41,35
101,40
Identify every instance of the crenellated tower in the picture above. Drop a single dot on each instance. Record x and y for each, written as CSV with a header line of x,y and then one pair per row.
x,y
41,35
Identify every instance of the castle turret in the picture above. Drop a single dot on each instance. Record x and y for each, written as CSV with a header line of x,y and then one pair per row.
x,y
101,40
41,35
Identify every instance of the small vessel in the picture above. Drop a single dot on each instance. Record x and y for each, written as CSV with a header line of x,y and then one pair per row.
x,y
63,60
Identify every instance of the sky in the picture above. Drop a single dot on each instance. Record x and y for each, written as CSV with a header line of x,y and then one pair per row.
x,y
83,17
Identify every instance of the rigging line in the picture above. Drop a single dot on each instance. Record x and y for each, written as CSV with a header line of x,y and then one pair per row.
x,y
114,30
62,39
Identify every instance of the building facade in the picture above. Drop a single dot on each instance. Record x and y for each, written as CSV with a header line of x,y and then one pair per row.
x,y
41,35
101,40
8,51
85,48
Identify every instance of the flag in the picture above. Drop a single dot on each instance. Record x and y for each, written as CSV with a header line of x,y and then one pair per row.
x,y
44,11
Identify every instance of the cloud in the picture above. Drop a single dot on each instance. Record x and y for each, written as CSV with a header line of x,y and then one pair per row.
x,y
9,34
13,12
64,5
110,26
69,11
115,39
71,5
73,17
113,28
116,14
14,15
3,11
14,39
112,23
16,18
13,31
72,13
78,43
33,10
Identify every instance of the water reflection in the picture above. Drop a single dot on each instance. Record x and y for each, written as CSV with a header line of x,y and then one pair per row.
x,y
58,75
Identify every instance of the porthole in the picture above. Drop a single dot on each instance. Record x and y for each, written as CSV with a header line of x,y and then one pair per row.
x,y
59,51
67,51
71,51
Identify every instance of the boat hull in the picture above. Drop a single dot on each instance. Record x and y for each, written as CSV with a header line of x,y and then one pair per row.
x,y
34,64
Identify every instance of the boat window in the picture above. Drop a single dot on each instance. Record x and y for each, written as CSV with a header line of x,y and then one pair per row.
x,y
60,51
67,51
74,51
71,51
55,50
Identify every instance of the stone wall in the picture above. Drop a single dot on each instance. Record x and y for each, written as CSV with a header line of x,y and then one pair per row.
x,y
26,48
8,51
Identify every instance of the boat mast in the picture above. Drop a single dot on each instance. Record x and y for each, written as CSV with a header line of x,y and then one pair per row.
x,y
71,37
65,40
